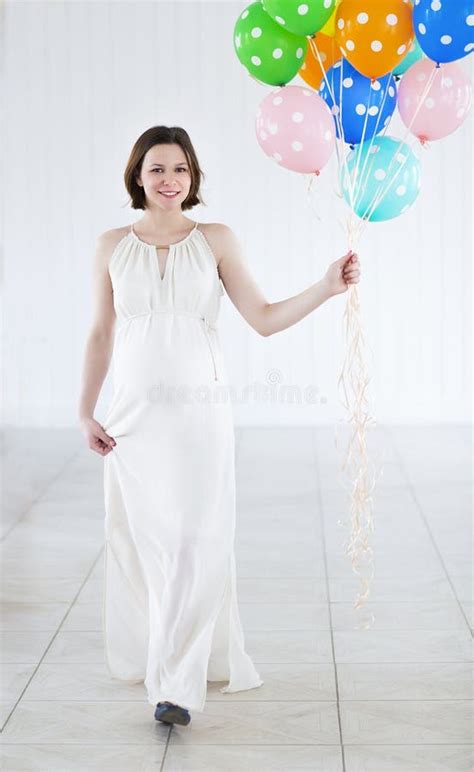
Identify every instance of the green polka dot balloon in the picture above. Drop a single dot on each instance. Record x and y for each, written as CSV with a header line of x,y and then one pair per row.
x,y
271,54
300,18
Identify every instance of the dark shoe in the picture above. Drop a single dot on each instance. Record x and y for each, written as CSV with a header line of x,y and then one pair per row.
x,y
172,714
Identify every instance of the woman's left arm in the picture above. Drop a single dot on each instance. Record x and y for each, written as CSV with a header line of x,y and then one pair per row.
x,y
267,318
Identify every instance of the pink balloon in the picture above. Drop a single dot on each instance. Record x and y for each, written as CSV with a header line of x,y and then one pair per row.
x,y
446,104
295,127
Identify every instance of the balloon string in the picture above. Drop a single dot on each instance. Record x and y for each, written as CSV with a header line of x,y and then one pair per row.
x,y
354,381
384,189
364,128
340,141
362,187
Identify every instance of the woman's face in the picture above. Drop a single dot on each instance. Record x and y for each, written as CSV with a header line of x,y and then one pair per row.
x,y
165,170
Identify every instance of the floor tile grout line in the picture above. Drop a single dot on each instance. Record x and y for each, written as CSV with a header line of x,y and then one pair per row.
x,y
321,522
401,744
39,495
260,701
412,490
320,662
40,661
336,629
259,745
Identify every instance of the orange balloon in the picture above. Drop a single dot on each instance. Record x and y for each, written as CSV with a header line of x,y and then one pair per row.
x,y
329,52
374,35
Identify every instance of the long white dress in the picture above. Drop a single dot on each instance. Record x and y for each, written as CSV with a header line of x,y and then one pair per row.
x,y
170,612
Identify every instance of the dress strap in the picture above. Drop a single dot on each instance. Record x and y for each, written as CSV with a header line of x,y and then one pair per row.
x,y
165,246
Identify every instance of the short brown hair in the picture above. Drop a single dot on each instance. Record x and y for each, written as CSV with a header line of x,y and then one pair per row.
x,y
162,135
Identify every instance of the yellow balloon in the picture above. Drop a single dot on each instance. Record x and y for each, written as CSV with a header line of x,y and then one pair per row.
x,y
330,26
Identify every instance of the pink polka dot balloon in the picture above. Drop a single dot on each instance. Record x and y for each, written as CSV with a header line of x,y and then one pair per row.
x,y
444,106
295,128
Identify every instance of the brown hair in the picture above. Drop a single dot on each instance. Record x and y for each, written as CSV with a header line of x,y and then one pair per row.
x,y
162,135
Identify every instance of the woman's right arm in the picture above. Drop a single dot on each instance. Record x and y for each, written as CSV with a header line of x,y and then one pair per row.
x,y
99,346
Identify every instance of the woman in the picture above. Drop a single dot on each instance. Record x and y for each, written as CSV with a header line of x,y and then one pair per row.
x,y
170,613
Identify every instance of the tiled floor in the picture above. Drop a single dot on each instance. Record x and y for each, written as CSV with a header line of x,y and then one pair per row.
x,y
396,697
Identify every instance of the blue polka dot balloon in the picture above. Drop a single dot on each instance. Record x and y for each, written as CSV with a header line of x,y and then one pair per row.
x,y
384,168
444,28
363,107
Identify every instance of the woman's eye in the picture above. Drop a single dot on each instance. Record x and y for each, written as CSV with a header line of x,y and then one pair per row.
x,y
180,170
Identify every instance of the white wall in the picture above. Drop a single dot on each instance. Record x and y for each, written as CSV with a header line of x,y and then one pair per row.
x,y
82,81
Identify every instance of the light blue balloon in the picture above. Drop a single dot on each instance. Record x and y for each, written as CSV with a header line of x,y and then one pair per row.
x,y
415,52
397,183
444,28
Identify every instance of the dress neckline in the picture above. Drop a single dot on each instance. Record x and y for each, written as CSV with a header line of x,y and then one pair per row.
x,y
163,246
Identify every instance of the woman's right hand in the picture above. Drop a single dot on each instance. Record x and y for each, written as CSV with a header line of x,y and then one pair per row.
x,y
97,439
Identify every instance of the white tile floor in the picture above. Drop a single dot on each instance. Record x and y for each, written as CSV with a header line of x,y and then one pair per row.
x,y
396,697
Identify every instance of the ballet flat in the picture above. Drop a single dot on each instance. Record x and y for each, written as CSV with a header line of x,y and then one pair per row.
x,y
172,714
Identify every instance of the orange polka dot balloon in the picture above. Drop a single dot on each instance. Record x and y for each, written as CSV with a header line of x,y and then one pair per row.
x,y
374,35
329,53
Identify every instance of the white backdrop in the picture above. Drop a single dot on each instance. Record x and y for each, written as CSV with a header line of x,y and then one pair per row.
x,y
82,81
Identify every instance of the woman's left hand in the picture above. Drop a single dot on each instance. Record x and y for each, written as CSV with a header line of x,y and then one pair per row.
x,y
342,273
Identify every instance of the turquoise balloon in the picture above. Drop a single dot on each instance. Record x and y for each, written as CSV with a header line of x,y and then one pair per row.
x,y
396,184
415,52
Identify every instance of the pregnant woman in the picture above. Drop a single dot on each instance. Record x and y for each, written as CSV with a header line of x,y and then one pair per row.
x,y
170,610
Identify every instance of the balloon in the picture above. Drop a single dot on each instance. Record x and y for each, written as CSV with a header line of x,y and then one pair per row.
x,y
270,54
300,18
446,104
445,30
375,173
294,127
388,169
374,35
329,52
356,97
415,53
330,26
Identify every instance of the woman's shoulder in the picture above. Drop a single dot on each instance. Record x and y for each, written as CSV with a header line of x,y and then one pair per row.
x,y
114,235
107,243
217,234
109,240
216,229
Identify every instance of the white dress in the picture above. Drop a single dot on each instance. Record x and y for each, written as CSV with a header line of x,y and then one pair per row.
x,y
170,613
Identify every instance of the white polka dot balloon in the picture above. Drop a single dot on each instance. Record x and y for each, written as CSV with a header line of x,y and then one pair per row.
x,y
382,179
294,127
444,28
435,113
301,18
351,100
374,35
270,53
